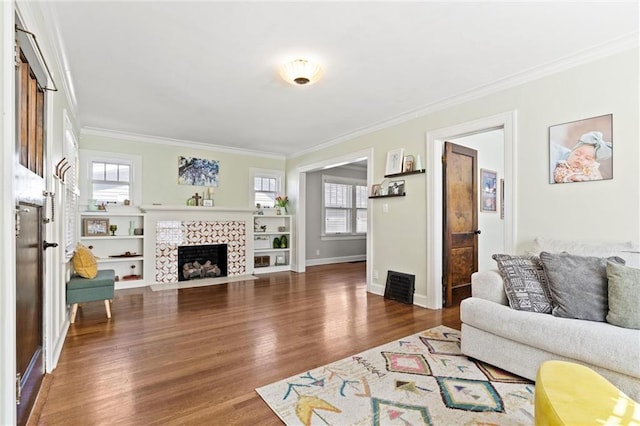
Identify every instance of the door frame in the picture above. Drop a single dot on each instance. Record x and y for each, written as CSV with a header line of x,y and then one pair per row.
x,y
435,144
301,179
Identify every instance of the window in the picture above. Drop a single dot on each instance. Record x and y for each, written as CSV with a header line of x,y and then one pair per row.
x,y
110,177
345,206
110,182
267,185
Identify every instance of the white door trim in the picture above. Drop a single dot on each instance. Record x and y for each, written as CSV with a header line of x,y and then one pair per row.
x,y
301,177
434,149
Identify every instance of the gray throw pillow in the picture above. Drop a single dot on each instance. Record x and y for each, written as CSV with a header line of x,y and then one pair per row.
x,y
624,296
525,282
578,285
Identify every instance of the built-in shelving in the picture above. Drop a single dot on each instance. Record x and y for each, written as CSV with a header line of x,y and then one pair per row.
x,y
268,258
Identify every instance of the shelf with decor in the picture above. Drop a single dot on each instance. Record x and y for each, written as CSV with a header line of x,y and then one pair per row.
x,y
388,195
412,172
272,243
117,241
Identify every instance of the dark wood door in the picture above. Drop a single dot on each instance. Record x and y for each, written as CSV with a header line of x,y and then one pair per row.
x,y
29,188
460,227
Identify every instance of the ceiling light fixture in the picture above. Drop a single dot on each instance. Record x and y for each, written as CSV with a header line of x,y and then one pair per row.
x,y
301,72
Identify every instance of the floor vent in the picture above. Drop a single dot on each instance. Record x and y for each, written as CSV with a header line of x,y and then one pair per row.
x,y
400,287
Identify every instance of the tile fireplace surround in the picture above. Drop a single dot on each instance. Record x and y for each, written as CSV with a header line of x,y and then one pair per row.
x,y
167,227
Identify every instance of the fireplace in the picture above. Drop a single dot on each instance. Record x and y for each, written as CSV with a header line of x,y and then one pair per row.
x,y
202,261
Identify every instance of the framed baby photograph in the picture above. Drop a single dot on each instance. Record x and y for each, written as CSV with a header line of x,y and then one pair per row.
x,y
581,150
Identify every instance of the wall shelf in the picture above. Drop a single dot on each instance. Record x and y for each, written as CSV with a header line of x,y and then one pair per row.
x,y
388,196
413,172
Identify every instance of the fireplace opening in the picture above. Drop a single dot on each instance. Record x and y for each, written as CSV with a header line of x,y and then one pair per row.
x,y
202,261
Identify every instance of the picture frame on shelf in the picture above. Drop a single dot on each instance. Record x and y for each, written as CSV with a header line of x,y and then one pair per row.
x,y
394,161
396,187
384,187
375,190
95,227
488,190
408,163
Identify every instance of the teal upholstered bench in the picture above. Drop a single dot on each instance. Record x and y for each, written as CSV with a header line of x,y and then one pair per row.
x,y
81,290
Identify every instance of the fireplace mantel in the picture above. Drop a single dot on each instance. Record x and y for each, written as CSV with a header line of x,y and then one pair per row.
x,y
162,208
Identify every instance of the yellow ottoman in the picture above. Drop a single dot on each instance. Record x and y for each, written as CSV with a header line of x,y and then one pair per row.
x,y
572,394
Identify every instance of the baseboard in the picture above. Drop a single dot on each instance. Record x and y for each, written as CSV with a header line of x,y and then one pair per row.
x,y
121,285
330,260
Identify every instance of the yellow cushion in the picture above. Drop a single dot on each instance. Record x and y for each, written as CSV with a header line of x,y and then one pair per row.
x,y
84,262
572,394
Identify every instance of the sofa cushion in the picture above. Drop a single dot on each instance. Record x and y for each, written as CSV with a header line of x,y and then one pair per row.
x,y
624,295
525,282
627,250
578,285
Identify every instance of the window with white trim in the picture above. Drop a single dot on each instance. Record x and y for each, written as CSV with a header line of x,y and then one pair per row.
x,y
110,177
344,204
267,185
110,181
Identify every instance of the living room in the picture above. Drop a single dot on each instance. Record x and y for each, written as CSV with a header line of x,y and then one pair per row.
x,y
403,231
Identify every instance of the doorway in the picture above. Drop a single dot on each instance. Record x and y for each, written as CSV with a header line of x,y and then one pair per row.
x,y
435,145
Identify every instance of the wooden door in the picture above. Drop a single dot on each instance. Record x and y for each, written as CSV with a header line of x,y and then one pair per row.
x,y
29,187
460,227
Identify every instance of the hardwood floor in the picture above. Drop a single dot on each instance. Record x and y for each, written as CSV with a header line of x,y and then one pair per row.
x,y
195,356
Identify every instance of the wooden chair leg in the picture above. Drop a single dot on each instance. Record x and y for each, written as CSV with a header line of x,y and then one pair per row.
x,y
74,311
107,307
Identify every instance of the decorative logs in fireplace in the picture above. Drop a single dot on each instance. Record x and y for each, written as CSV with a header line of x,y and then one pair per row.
x,y
197,270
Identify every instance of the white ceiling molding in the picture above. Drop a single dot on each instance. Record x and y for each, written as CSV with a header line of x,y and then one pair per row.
x,y
133,137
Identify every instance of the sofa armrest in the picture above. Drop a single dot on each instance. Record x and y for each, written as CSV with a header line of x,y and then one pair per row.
x,y
488,285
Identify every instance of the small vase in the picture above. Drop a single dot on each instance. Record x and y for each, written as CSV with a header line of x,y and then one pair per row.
x,y
278,212
132,227
283,241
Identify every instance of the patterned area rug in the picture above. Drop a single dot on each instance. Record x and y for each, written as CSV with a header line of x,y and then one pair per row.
x,y
419,380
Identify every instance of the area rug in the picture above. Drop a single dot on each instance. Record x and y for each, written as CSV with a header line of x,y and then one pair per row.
x,y
422,379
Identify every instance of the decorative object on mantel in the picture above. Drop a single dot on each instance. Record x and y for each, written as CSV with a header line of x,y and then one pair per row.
x,y
198,171
282,202
207,197
194,200
394,161
581,150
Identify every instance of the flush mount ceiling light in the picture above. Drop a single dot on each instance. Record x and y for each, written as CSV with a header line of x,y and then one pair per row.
x,y
301,72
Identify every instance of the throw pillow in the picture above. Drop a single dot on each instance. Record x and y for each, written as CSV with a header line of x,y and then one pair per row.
x,y
525,282
578,285
84,262
624,295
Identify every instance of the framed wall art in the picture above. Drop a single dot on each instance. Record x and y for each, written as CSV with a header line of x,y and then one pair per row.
x,y
198,171
488,190
95,227
394,162
581,150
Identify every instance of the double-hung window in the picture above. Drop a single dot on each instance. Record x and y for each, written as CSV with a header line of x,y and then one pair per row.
x,y
344,204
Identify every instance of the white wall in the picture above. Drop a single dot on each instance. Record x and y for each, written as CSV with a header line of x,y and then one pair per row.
x,y
331,250
160,169
601,210
490,156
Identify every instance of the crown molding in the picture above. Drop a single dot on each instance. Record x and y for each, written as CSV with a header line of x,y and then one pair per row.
x,y
627,42
135,137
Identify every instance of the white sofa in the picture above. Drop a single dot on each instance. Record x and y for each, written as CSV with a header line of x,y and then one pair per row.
x,y
520,341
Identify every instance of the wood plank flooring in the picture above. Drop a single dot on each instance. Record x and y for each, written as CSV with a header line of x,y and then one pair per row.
x,y
195,356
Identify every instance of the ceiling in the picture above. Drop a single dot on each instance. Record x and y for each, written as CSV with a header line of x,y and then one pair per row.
x,y
208,71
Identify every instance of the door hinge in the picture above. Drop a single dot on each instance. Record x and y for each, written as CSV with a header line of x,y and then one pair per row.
x,y
443,159
18,388
16,54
